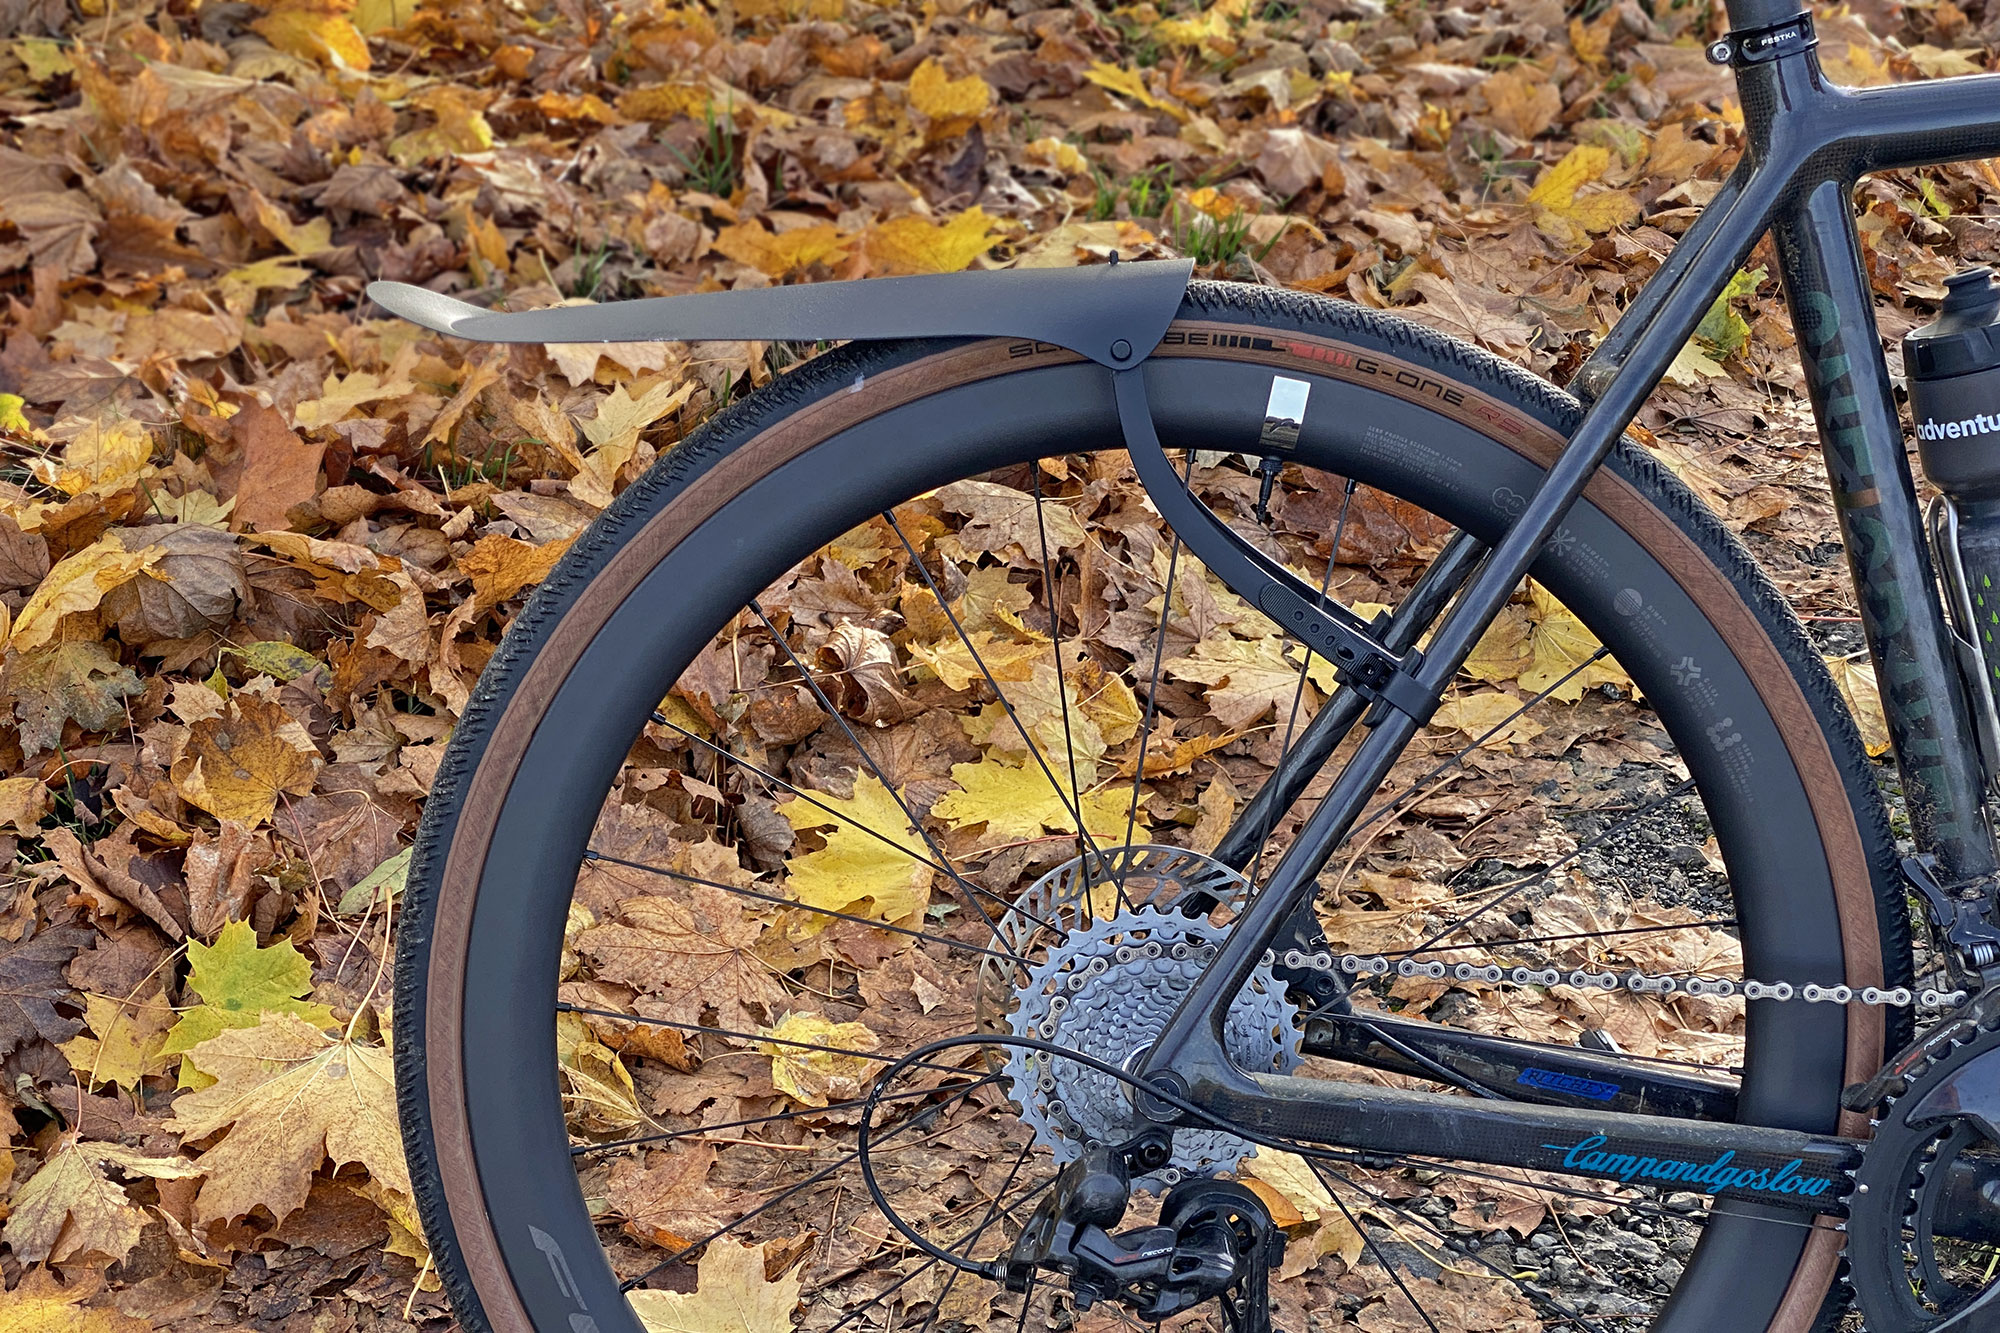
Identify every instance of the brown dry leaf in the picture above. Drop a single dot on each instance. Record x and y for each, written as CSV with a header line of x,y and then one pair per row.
x,y
695,952
75,681
731,1295
237,765
1249,680
1522,101
500,567
290,1097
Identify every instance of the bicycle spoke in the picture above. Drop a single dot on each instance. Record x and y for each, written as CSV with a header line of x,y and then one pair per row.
x,y
847,1157
1153,681
1373,1249
1062,689
851,822
564,1007
882,777
1305,662
993,1212
1062,692
670,1136
606,858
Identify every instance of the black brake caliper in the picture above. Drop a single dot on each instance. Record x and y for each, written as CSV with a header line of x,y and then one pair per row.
x,y
1214,1240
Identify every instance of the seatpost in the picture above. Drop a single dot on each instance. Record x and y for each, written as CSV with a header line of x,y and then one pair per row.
x,y
1745,15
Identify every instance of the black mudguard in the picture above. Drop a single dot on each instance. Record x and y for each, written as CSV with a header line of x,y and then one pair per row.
x,y
1115,314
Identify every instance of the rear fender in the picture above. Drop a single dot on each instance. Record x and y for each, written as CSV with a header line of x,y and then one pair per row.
x,y
1115,314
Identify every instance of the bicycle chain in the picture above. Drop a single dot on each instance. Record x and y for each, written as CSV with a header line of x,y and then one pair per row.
x,y
1360,965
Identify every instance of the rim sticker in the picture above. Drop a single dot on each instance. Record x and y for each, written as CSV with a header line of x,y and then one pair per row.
x,y
1284,414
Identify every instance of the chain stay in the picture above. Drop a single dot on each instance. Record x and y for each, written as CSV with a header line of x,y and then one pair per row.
x,y
1638,983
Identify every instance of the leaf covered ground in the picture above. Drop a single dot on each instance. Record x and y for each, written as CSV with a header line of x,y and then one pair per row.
x,y
257,541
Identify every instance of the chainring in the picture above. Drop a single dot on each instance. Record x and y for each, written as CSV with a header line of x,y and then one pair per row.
x,y
1106,987
1940,1111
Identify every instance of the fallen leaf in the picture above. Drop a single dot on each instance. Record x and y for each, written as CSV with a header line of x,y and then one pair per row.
x,y
238,983
815,1077
75,681
69,1208
76,584
857,871
128,1039
1018,802
910,244
291,1098
236,766
43,1305
1571,217
952,106
1854,676
731,1295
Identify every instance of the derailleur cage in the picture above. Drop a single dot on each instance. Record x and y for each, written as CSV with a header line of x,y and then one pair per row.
x,y
1214,1240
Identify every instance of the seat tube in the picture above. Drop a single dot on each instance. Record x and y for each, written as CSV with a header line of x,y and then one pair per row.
x,y
1881,524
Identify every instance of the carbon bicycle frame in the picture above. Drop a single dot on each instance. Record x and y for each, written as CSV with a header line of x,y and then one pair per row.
x,y
1808,142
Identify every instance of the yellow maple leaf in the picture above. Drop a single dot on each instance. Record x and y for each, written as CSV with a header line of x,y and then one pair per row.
x,y
666,101
1570,217
1559,644
70,1208
126,1047
309,238
236,765
461,125
341,395
782,254
43,1305
731,1295
598,1093
620,417
238,983
23,802
856,871
811,1077
102,459
952,106
1057,153
78,583
291,1098
954,661
910,244
1018,802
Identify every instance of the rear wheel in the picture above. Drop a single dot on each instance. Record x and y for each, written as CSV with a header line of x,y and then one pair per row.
x,y
934,679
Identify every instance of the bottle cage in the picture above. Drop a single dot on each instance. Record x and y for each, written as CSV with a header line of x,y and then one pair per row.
x,y
1114,314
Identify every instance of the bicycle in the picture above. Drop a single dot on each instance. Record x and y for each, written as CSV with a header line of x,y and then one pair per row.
x,y
1136,1014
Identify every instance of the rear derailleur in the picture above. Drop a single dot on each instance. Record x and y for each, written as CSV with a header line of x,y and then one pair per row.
x,y
1214,1240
